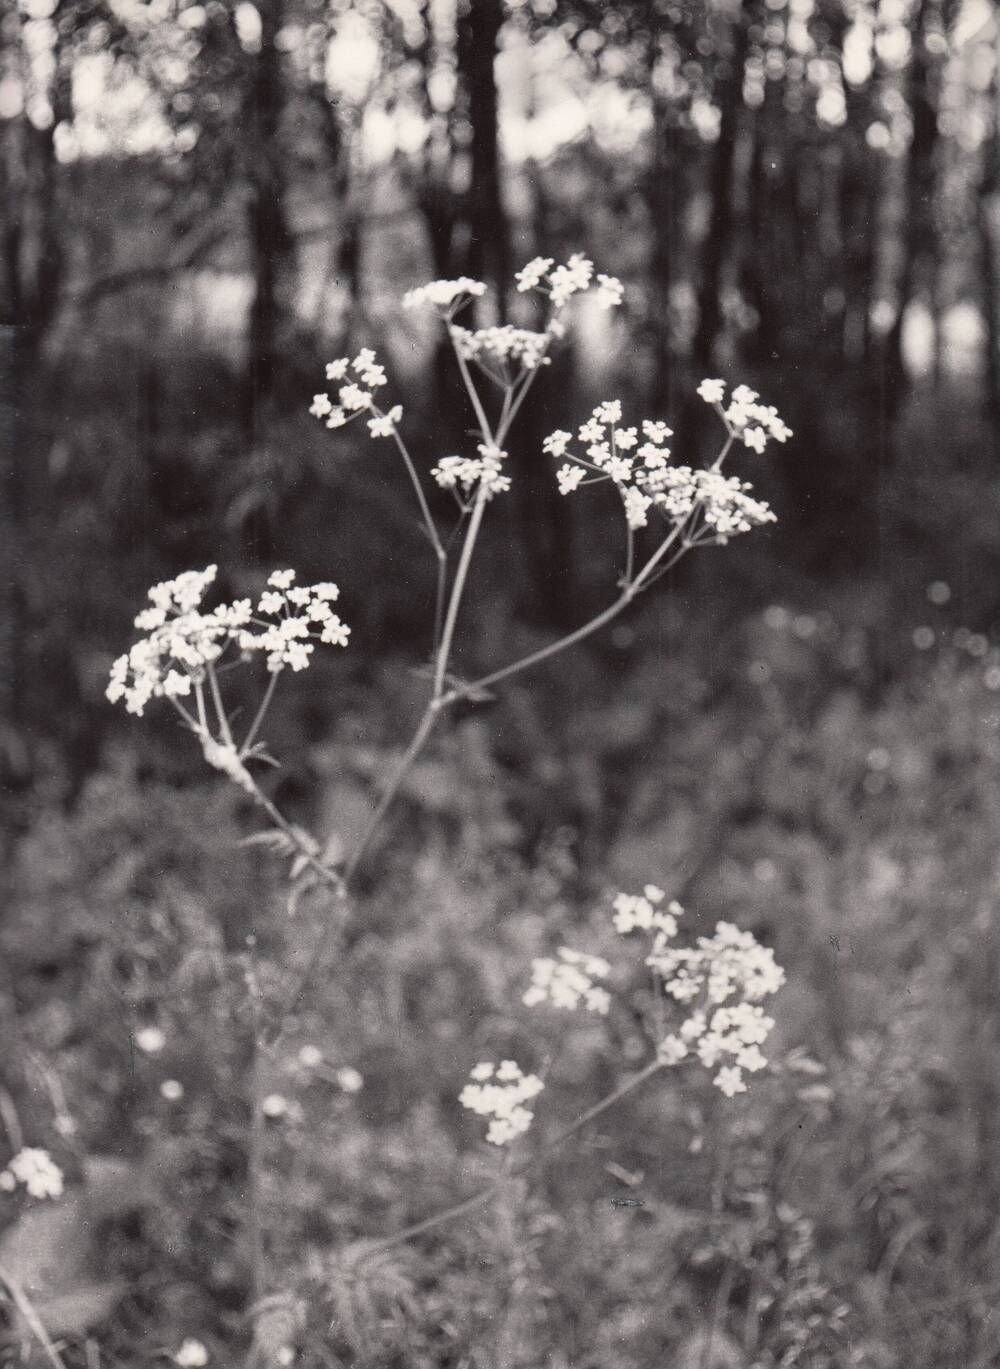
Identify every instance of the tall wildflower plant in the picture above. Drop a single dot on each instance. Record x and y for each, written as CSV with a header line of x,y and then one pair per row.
x,y
714,985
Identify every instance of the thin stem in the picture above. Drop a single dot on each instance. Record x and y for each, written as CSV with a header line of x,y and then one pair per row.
x,y
227,736
265,704
425,511
457,589
329,877
416,745
24,1305
258,1273
512,1170
432,533
543,653
629,553
725,449
484,423
668,566
657,556
199,695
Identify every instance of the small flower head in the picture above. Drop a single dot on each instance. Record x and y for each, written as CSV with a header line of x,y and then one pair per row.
x,y
191,1355
722,978
569,981
151,1040
610,291
465,474
349,1079
35,1169
447,296
712,391
384,425
500,1092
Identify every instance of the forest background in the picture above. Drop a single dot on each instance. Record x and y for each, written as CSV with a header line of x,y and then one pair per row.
x,y
201,205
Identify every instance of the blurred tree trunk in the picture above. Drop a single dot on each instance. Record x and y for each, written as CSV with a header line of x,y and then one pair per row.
x,y
270,242
728,97
32,269
488,250
919,238
988,228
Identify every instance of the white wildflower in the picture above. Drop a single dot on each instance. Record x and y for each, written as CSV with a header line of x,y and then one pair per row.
x,y
610,291
35,1169
531,276
321,406
336,370
501,1094
353,398
556,443
641,912
191,1355
637,505
502,349
730,1081
444,294
383,425
569,478
485,471
349,1079
566,281
151,1040
569,981
671,1050
712,391
723,977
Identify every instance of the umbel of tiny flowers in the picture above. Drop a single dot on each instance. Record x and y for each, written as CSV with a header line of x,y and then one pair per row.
x,y
705,506
500,1092
720,978
508,356
362,376
745,417
568,981
36,1170
185,645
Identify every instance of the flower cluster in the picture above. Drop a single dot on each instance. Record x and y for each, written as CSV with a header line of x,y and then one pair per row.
x,y
723,978
501,1091
497,350
641,912
302,612
191,1355
569,981
445,295
560,283
715,506
755,423
183,641
34,1169
468,472
362,376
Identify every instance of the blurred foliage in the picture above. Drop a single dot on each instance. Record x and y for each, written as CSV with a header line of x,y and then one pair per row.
x,y
761,771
